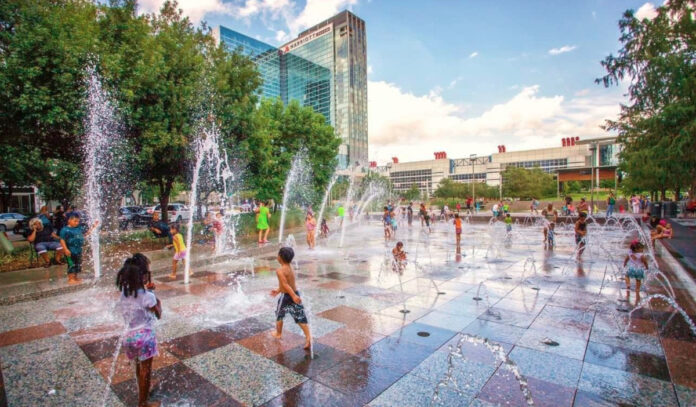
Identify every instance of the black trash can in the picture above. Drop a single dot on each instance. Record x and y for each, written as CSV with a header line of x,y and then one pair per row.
x,y
655,209
670,209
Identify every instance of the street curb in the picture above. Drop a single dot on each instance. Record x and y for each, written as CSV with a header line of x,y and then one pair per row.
x,y
103,282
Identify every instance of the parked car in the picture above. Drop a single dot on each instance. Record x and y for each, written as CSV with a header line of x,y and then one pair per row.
x,y
176,212
8,221
128,217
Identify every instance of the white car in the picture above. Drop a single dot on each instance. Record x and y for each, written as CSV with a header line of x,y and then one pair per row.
x,y
176,212
9,220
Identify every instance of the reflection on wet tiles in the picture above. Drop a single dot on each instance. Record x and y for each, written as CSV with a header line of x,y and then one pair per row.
x,y
632,341
495,331
311,393
568,347
395,354
251,378
503,389
446,321
359,378
546,366
630,361
469,375
410,391
623,387
51,372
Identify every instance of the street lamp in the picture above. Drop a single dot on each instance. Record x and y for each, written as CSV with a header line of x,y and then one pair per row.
x,y
472,159
593,149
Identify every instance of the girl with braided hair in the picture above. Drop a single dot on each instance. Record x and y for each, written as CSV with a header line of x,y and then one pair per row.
x,y
139,308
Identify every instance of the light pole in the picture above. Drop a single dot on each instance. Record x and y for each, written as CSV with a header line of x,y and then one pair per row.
x,y
593,148
472,159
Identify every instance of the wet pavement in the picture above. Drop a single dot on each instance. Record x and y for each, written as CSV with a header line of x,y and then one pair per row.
x,y
216,348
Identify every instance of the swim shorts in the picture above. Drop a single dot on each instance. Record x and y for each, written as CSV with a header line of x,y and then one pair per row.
x,y
287,305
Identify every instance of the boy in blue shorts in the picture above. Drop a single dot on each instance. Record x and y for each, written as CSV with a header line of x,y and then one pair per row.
x,y
289,300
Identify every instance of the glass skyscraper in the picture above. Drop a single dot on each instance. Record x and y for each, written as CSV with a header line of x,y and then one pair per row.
x,y
324,67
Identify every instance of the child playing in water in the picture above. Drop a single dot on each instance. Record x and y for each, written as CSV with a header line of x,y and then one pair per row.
x,y
399,257
310,225
324,229
394,223
139,308
72,239
263,216
458,227
637,264
289,300
179,249
508,223
218,230
550,236
386,220
662,231
581,233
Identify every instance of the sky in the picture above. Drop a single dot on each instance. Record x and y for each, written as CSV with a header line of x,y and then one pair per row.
x,y
461,76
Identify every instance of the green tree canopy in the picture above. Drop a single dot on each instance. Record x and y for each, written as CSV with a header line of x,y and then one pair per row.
x,y
657,127
527,183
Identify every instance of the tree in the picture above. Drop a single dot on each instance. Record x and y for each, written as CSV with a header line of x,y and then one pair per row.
x,y
658,126
412,193
20,167
527,183
280,132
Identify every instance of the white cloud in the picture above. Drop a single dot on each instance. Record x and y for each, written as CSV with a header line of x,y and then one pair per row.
x,y
281,36
197,9
563,49
316,11
454,82
473,54
194,9
647,10
411,127
369,69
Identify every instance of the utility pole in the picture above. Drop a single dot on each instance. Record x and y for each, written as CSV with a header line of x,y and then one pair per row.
x,y
593,149
472,159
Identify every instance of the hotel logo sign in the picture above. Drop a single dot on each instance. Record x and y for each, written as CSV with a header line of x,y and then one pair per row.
x,y
306,39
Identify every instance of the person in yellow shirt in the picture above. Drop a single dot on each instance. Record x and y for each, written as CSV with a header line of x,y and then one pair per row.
x,y
179,249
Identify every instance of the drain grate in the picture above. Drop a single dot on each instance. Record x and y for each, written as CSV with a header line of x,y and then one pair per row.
x,y
424,334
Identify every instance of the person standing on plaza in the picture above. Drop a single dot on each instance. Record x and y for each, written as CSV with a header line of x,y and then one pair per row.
x,y
459,207
310,226
583,207
611,201
581,233
58,219
179,249
409,213
263,217
140,309
341,211
421,213
289,300
72,239
458,229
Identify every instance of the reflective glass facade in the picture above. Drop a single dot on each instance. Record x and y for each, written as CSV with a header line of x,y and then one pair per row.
x,y
265,56
324,67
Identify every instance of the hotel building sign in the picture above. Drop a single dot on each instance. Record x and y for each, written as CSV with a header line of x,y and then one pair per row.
x,y
306,39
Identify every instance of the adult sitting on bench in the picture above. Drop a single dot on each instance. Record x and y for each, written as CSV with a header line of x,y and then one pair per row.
x,y
44,239
159,228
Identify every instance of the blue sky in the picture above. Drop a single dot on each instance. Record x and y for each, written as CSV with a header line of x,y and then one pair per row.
x,y
461,76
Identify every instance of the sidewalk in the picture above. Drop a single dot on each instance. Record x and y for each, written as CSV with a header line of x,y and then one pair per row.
x,y
31,284
683,246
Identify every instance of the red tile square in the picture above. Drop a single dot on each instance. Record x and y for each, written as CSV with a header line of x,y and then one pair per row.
x,y
503,389
125,368
31,333
96,333
337,285
350,340
266,345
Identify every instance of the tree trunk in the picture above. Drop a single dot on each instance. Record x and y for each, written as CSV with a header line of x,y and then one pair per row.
x,y
165,190
677,192
663,194
6,198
